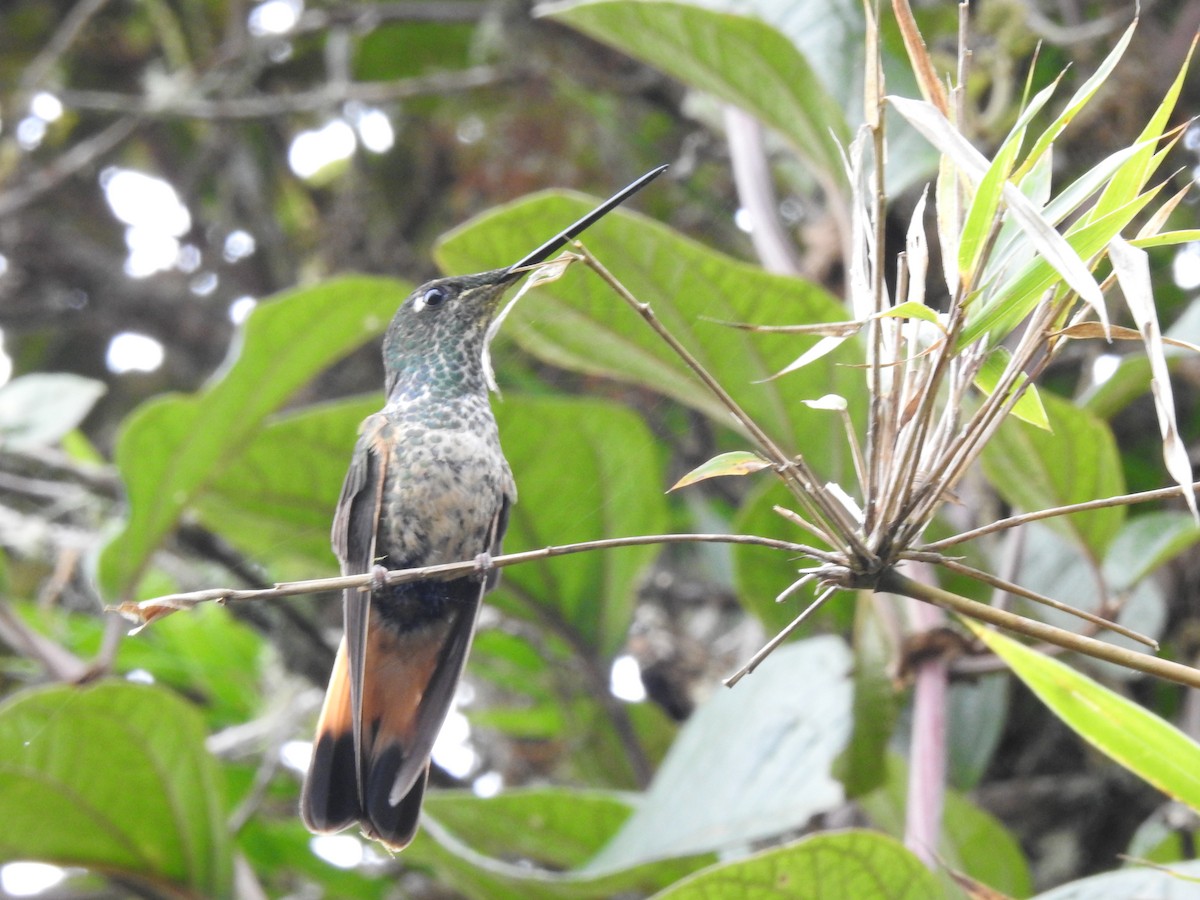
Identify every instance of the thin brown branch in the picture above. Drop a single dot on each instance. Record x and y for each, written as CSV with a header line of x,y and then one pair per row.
x,y
770,646
1014,588
1023,518
148,610
795,471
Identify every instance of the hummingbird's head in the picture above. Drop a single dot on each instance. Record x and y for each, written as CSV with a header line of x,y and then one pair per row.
x,y
436,339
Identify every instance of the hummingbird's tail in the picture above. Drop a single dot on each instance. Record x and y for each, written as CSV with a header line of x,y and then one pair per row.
x,y
331,799
413,650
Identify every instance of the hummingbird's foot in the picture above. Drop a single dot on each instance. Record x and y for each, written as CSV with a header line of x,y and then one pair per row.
x,y
483,565
378,578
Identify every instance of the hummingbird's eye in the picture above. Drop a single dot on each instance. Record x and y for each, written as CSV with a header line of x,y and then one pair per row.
x,y
435,296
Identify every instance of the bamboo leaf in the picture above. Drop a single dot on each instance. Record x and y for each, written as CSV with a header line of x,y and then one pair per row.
x,y
1077,102
1128,733
1029,407
737,462
1132,267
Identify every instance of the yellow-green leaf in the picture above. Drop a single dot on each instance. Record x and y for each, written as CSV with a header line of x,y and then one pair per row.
x,y
736,462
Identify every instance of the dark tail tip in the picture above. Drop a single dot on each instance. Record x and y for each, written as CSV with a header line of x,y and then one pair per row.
x,y
394,825
329,800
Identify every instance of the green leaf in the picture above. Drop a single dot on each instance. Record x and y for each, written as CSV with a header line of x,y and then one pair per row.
x,y
1126,732
1146,542
38,410
976,722
832,35
545,822
578,323
274,500
1034,469
1127,184
741,60
280,853
912,310
751,763
1077,102
736,462
517,668
985,205
1168,238
585,470
1014,300
1029,407
848,865
556,828
113,778
171,449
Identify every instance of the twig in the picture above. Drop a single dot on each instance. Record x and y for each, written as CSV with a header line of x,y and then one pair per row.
x,y
72,24
1014,588
795,471
58,662
1051,512
770,646
148,610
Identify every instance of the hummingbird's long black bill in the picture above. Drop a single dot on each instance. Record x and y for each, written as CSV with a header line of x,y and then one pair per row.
x,y
572,231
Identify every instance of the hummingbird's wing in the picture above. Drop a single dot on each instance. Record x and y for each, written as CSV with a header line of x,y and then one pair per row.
x,y
333,788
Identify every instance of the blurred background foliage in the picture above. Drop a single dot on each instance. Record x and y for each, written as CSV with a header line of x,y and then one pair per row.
x,y
209,210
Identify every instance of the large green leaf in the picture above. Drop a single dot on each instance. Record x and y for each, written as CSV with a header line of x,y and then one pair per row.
x,y
1128,733
207,654
832,35
274,500
848,865
551,825
1145,542
554,827
113,778
579,323
172,448
751,763
741,60
1077,461
585,470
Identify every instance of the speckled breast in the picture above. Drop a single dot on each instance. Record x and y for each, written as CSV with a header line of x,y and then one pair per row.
x,y
443,490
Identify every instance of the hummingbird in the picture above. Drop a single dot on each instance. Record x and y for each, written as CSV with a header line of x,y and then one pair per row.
x,y
428,484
